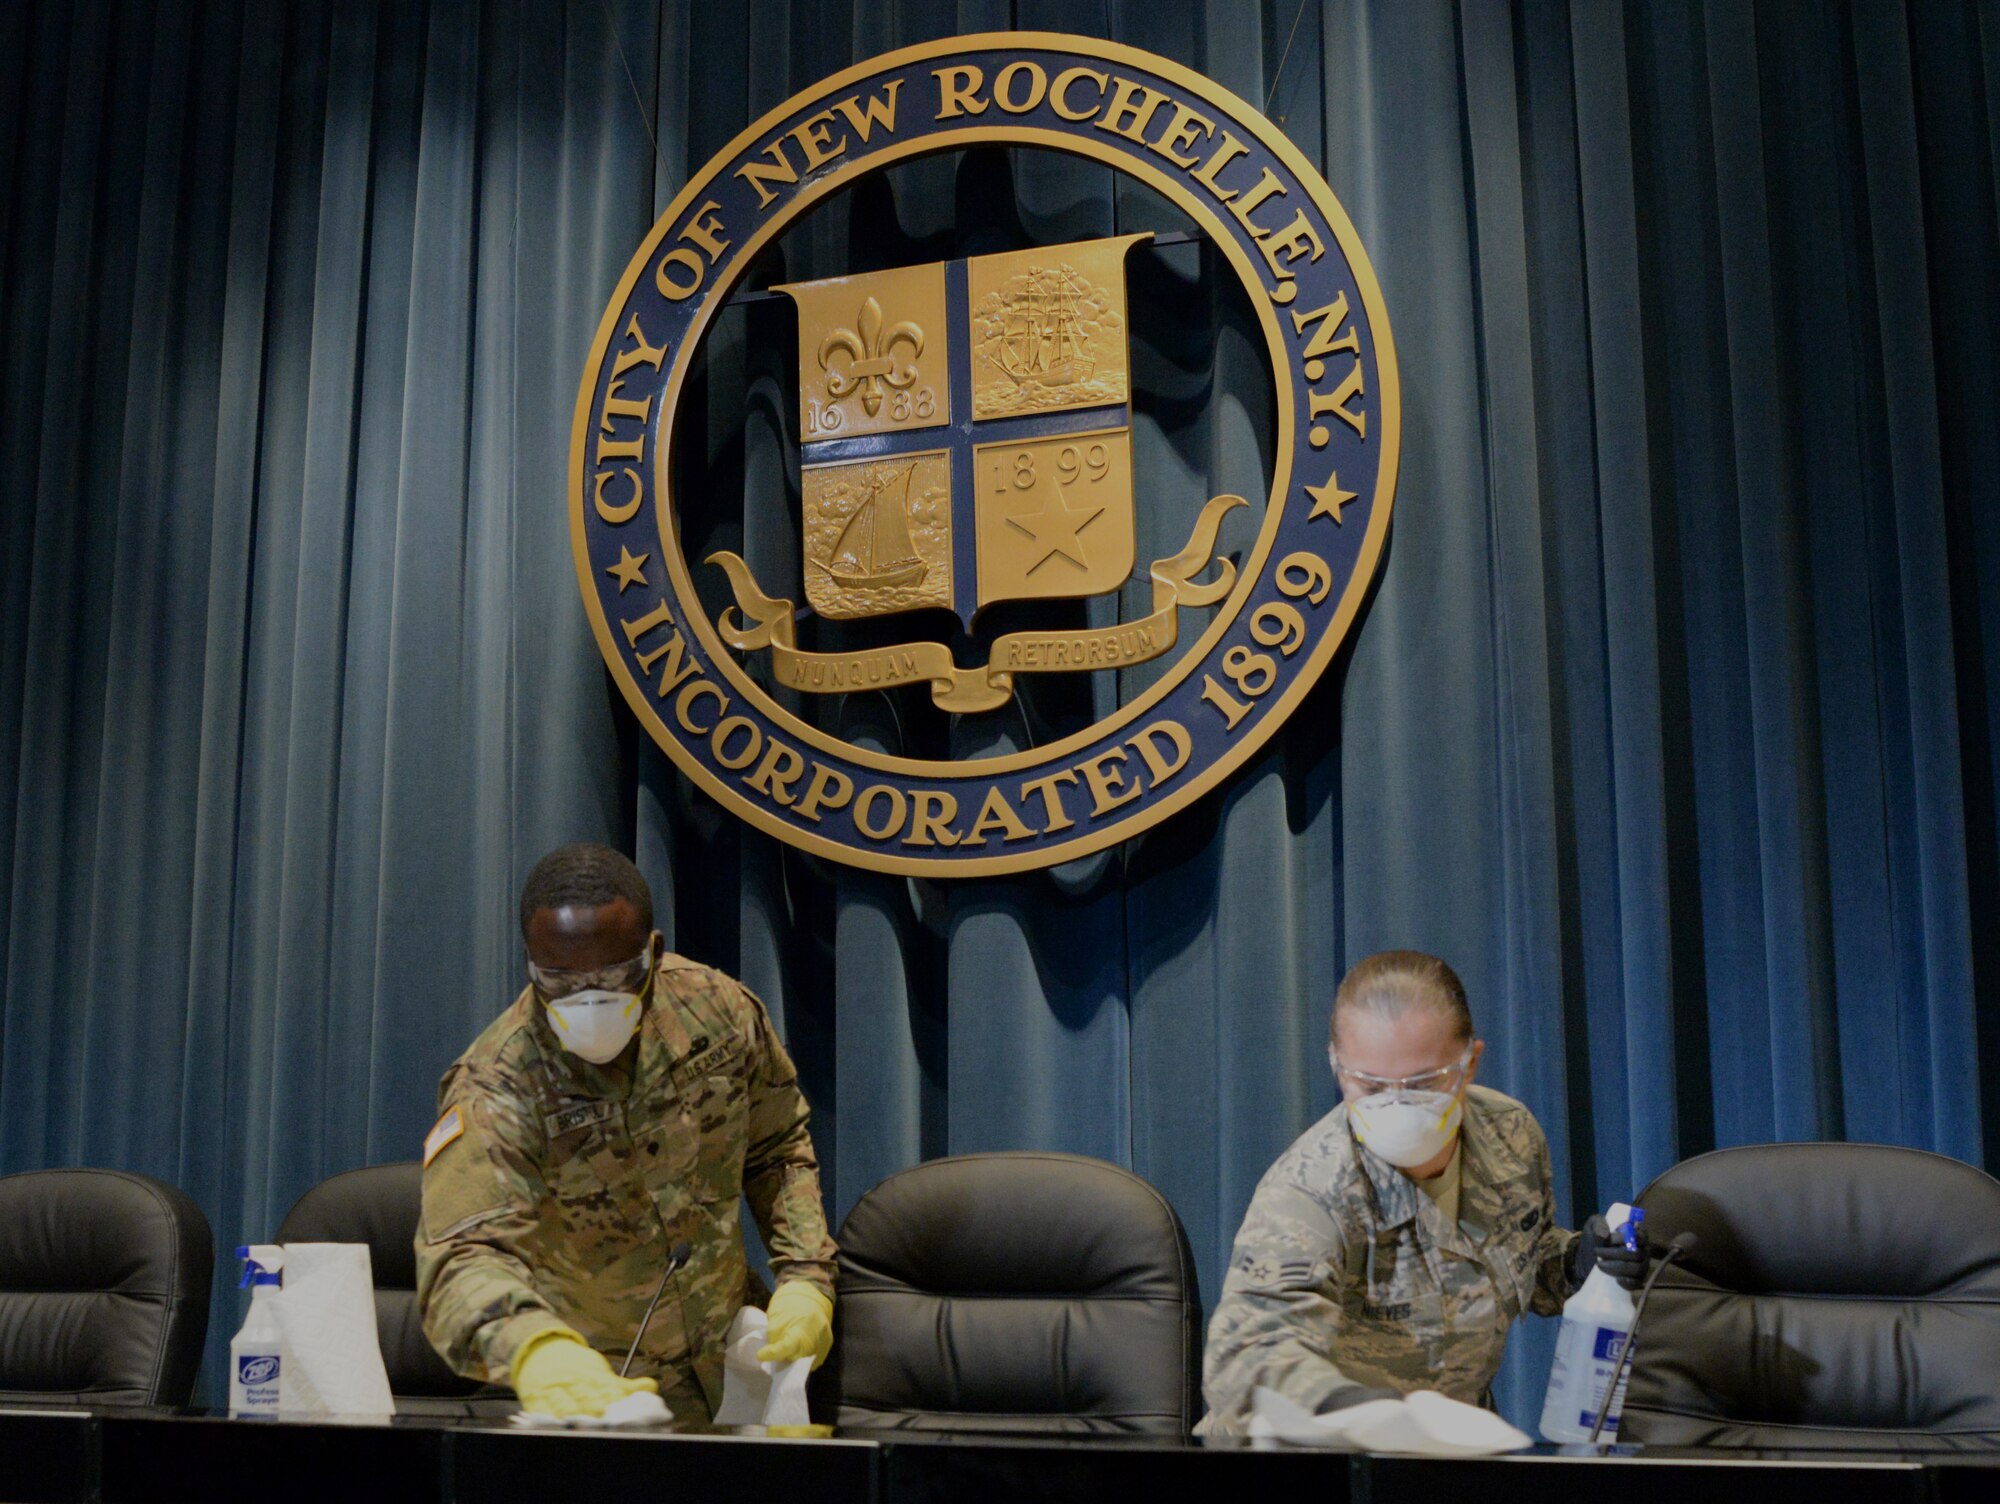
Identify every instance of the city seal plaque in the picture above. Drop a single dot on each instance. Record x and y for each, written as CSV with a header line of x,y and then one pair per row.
x,y
965,440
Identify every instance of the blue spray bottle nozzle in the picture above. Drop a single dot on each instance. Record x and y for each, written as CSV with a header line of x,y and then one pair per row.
x,y
1630,1231
261,1263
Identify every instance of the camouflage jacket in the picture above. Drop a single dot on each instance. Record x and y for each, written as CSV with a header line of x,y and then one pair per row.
x,y
1345,1272
554,1189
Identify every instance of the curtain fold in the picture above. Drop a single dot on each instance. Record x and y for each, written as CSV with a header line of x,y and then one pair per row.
x,y
1671,722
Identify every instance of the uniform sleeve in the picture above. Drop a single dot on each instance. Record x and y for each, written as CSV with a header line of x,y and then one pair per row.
x,y
780,1169
1552,1255
1279,1320
482,1193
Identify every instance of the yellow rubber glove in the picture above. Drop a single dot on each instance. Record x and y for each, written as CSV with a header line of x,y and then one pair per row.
x,y
558,1373
801,1324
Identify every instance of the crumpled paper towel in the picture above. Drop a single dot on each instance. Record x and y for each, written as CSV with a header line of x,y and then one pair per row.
x,y
636,1412
1424,1424
326,1316
759,1394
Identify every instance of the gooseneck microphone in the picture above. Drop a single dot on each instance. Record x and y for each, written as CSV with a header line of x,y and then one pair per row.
x,y
1680,1244
676,1259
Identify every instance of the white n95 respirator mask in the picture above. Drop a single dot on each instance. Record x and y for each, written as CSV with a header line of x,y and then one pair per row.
x,y
1406,1128
595,1024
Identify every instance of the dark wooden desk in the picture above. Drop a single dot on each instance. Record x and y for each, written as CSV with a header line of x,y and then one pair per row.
x,y
117,1456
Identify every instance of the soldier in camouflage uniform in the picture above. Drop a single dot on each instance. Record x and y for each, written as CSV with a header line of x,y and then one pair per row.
x,y
554,1188
1353,1279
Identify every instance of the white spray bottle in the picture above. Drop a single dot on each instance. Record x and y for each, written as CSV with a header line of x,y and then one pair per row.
x,y
1596,1323
256,1352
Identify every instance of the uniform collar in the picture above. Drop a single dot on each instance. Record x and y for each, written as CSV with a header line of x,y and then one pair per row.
x,y
1487,1165
663,1033
1397,1198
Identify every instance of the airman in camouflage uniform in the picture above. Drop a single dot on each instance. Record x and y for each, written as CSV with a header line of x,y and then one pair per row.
x,y
1346,1274
567,1184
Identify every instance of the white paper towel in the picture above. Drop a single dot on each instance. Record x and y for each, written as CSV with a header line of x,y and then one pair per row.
x,y
636,1412
326,1313
759,1394
1424,1424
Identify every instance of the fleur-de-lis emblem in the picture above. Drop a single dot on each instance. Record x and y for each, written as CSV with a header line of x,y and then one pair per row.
x,y
870,358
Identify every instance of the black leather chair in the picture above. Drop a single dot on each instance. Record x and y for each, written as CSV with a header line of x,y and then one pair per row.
x,y
381,1206
1014,1292
1839,1295
104,1282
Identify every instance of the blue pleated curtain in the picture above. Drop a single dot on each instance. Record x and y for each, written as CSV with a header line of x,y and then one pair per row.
x,y
1672,723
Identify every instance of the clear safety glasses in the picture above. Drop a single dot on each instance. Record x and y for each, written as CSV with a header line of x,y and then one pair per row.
x,y
1445,1079
626,976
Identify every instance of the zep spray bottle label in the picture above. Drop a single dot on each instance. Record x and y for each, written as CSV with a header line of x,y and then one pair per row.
x,y
258,1375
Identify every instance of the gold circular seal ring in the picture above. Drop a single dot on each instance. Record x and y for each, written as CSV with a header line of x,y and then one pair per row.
x,y
1010,411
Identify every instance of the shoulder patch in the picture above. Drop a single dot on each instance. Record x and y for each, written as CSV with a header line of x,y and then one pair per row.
x,y
449,1127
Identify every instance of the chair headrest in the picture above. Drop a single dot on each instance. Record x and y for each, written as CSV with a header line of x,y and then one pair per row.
x,y
379,1205
98,1230
1833,1219
981,1224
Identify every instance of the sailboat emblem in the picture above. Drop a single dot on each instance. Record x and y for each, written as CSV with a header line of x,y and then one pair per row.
x,y
877,535
875,544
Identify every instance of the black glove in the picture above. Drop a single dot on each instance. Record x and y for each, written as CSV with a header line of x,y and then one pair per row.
x,y
1353,1394
1599,1248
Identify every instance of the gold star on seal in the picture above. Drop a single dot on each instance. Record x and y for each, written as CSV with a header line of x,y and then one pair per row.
x,y
1055,527
1328,499
628,570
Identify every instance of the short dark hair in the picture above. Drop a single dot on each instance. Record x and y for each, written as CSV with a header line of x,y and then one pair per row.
x,y
1391,982
585,876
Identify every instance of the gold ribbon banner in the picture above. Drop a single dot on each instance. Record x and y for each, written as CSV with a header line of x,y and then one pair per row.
x,y
769,622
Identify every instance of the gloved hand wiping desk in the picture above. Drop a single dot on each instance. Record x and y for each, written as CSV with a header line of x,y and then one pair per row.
x,y
564,1383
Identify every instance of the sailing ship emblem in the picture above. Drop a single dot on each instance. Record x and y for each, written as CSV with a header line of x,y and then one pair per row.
x,y
1048,334
1041,341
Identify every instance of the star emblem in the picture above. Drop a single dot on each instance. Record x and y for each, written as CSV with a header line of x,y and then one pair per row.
x,y
628,570
1055,527
1328,499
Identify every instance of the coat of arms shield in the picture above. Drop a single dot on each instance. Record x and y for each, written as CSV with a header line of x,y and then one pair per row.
x,y
966,429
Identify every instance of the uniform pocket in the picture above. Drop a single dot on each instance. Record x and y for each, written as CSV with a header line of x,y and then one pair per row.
x,y
718,1106
592,1203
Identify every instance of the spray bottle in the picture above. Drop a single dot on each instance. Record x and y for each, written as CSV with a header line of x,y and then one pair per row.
x,y
1596,1323
256,1355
